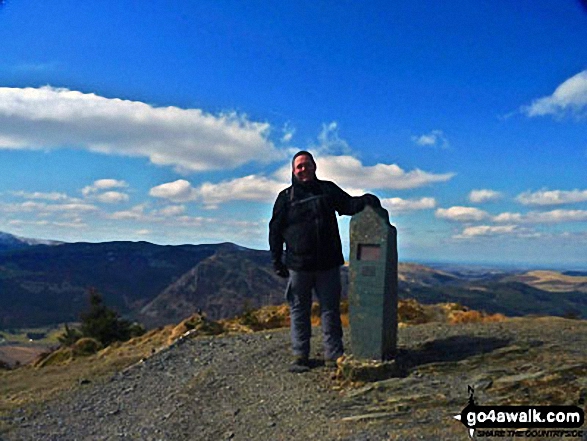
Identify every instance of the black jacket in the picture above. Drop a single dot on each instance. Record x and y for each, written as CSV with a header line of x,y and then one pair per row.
x,y
304,218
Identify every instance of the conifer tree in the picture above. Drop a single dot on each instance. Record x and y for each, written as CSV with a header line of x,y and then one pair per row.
x,y
69,336
104,324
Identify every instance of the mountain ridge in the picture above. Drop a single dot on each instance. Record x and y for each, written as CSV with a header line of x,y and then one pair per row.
x,y
227,282
159,284
11,242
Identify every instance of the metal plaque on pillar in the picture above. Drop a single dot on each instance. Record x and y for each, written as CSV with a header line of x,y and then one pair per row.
x,y
373,288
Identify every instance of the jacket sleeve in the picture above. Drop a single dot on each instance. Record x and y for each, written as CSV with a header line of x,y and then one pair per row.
x,y
344,203
276,227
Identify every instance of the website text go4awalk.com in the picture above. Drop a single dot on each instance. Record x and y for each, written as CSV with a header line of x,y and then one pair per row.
x,y
523,421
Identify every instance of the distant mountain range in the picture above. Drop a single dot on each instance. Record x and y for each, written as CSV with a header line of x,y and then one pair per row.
x,y
44,283
12,242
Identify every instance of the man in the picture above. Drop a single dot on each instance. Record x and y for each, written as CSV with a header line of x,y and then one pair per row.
x,y
304,217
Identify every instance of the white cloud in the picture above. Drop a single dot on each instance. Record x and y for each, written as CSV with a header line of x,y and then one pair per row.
x,y
52,196
140,220
248,188
544,217
330,141
222,230
176,191
18,223
432,139
217,229
355,191
103,184
552,197
41,214
112,197
461,214
570,96
471,214
188,139
136,213
76,223
172,210
508,217
252,188
399,205
349,172
169,215
487,230
288,133
42,207
556,216
97,191
484,195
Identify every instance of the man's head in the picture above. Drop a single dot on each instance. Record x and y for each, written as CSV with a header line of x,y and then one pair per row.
x,y
303,166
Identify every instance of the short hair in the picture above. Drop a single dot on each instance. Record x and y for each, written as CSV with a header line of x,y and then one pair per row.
x,y
300,153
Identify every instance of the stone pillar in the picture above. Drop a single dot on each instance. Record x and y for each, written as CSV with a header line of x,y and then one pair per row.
x,y
373,290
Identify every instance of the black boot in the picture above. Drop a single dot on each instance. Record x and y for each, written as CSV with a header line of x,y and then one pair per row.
x,y
300,365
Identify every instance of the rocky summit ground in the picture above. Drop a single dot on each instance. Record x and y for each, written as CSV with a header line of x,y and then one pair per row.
x,y
238,388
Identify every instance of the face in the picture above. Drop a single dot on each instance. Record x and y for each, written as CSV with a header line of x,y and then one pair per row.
x,y
304,169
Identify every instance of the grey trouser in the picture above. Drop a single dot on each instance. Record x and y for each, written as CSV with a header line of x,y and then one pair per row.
x,y
326,285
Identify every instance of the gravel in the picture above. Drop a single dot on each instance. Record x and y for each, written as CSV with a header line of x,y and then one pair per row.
x,y
238,388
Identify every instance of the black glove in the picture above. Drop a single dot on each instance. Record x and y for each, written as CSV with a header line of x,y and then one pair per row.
x,y
372,200
280,269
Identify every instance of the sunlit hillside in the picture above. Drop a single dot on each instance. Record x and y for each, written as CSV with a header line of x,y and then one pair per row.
x,y
67,367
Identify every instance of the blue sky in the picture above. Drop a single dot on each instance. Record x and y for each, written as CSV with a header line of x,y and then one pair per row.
x,y
174,122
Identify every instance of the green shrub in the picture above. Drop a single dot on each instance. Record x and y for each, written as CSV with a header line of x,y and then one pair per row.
x,y
249,317
86,346
69,336
104,324
136,330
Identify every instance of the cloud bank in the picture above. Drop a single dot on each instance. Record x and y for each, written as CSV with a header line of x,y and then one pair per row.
x,y
487,230
569,97
48,196
348,172
552,197
471,214
399,205
187,139
112,197
250,188
103,184
544,217
461,214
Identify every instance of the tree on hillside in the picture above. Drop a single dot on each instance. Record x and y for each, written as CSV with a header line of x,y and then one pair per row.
x,y
104,324
69,336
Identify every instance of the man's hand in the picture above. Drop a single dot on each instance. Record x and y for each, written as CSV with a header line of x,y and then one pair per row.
x,y
280,269
372,200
